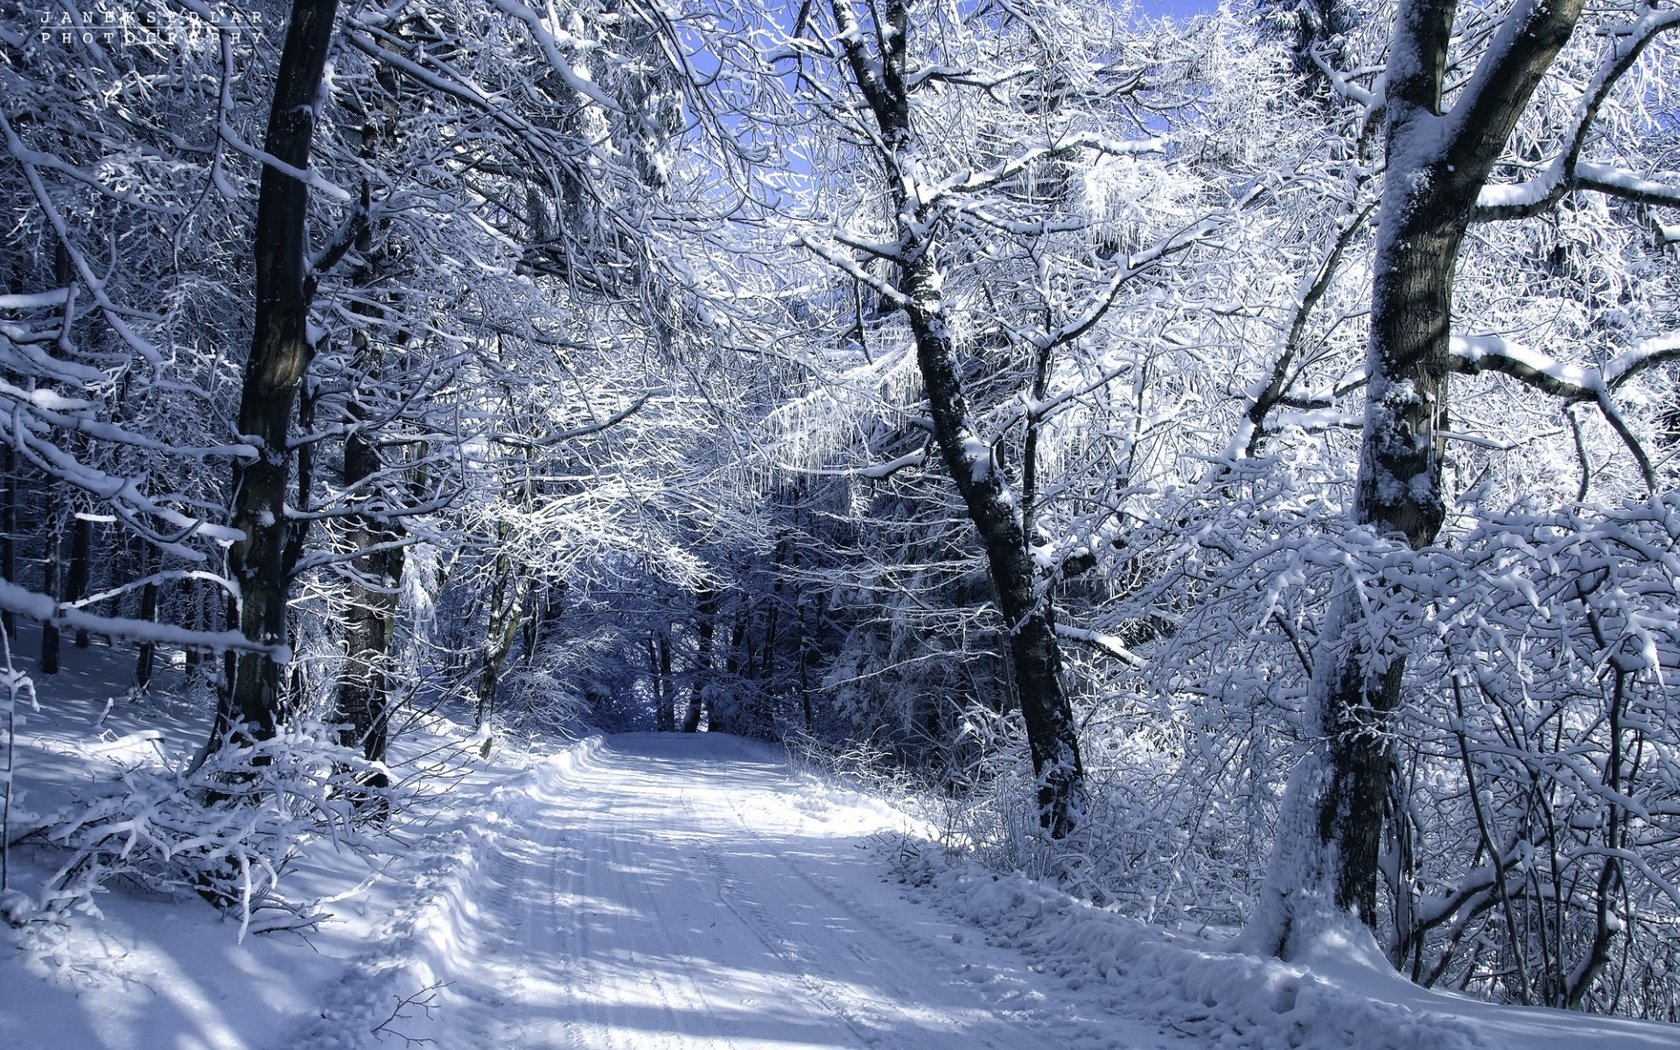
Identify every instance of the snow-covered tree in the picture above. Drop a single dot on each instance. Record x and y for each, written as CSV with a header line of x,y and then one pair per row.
x,y
1444,141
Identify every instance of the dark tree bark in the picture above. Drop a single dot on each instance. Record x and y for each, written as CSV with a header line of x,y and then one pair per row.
x,y
60,513
738,713
262,562
667,688
8,532
364,689
506,612
79,569
659,667
11,466
810,654
52,574
991,502
146,653
705,624
199,614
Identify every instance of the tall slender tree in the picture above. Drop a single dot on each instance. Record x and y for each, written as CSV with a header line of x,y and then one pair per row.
x,y
881,70
282,346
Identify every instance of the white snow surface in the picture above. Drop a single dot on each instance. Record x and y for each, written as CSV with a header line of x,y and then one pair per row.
x,y
669,892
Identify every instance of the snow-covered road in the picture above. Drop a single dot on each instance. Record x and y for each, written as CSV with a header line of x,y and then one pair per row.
x,y
664,892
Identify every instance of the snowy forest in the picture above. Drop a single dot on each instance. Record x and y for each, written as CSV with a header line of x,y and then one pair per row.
x,y
1222,464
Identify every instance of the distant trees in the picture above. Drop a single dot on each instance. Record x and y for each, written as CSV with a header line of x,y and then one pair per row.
x,y
1018,240
882,75
354,391
111,380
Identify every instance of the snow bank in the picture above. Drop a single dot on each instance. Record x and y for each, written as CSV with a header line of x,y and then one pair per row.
x,y
1222,999
408,971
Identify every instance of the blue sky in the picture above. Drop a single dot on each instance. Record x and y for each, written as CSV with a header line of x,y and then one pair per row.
x,y
1175,8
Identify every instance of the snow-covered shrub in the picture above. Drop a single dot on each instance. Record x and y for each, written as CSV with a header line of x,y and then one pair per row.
x,y
224,830
554,689
1528,849
1541,759
862,762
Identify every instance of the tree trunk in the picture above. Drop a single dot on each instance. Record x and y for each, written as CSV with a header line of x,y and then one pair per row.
x,y
705,617
364,690
993,508
8,532
52,565
992,504
146,653
198,619
280,354
507,607
1325,861
10,464
79,570
809,654
51,577
363,700
731,716
659,666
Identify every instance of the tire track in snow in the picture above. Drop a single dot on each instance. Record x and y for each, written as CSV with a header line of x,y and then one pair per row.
x,y
853,1017
650,862
887,946
601,849
934,957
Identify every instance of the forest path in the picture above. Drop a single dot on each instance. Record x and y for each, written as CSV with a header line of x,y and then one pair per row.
x,y
660,892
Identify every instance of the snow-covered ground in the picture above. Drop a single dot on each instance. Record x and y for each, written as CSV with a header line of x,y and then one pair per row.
x,y
665,892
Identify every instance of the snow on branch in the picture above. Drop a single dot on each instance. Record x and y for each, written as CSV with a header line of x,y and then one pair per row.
x,y
123,493
513,440
549,37
49,300
1615,182
24,602
1567,171
1141,263
1043,408
342,240
1642,355
61,412
1104,643
1343,84
971,181
1491,353
882,471
1472,354
27,160
433,72
308,176
849,266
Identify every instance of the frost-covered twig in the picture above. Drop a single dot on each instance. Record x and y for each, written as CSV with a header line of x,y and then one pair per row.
x,y
154,827
426,999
